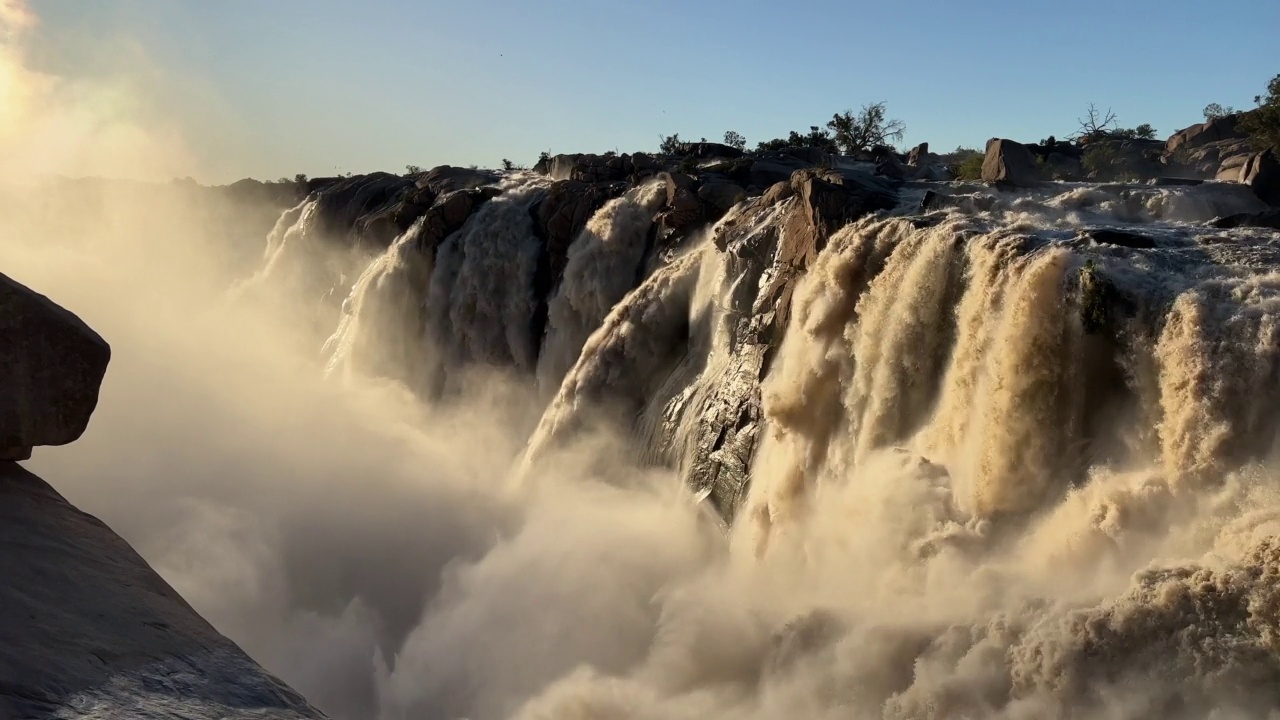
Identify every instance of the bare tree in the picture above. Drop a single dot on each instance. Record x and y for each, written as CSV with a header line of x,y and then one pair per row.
x,y
865,130
1096,124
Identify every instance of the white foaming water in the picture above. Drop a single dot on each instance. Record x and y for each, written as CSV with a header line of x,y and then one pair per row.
x,y
945,520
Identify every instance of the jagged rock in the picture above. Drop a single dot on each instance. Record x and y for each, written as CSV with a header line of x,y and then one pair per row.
x,y
1009,163
1264,219
685,211
721,195
1261,172
1218,129
778,192
86,626
51,367
768,260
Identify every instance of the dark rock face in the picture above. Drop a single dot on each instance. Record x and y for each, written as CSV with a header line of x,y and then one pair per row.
x,y
344,203
51,366
563,213
85,622
1009,163
721,196
1261,172
597,168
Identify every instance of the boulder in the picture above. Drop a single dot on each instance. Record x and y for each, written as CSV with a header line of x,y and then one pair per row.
x,y
721,195
1261,172
1218,129
1062,166
51,368
88,629
1009,163
1230,169
1265,219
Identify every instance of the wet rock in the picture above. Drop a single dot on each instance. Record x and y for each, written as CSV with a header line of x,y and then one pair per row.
x,y
446,179
343,203
1264,219
448,214
1122,238
1168,181
51,368
1009,163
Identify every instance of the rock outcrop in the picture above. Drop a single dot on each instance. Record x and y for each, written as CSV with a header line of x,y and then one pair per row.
x,y
87,628
1261,172
51,366
1009,163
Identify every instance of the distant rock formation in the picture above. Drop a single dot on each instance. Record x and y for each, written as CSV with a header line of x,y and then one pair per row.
x,y
1009,163
87,628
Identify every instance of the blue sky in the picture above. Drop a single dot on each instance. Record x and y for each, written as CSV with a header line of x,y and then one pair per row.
x,y
266,88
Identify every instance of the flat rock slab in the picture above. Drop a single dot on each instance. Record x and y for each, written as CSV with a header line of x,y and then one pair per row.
x,y
51,367
89,630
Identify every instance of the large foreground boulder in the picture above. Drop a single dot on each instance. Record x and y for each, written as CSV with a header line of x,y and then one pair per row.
x,y
1261,172
1009,163
51,366
87,629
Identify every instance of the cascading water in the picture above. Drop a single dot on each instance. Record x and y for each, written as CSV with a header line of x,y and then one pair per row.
x,y
974,463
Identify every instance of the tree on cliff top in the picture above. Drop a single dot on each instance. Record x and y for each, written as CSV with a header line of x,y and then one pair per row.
x,y
870,127
1263,123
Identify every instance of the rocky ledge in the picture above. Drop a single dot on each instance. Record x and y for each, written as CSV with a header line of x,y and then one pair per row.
x,y
87,628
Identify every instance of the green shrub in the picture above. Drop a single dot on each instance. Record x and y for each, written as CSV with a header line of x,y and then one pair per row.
x,y
1263,123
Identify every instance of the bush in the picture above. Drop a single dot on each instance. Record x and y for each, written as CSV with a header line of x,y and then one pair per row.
x,y
965,163
671,144
735,140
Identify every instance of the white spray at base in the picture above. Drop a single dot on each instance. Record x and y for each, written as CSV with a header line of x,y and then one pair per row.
x,y
1006,472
